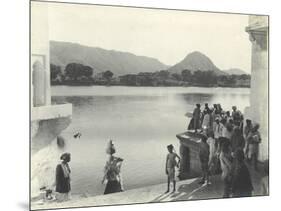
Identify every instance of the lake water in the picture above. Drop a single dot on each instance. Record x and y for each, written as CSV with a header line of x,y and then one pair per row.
x,y
142,121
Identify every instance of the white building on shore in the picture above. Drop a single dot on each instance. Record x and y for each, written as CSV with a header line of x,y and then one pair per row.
x,y
47,120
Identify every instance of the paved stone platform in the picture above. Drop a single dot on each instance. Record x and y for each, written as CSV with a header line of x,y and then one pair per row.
x,y
186,190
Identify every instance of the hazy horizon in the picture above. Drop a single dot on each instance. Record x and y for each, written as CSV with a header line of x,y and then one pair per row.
x,y
166,35
142,55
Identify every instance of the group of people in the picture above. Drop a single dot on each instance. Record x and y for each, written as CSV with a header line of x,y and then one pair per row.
x,y
224,126
224,147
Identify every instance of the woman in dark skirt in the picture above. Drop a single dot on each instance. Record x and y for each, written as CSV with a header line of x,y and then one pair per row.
x,y
63,178
112,171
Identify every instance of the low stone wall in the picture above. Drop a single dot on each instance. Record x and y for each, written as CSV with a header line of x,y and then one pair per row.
x,y
47,131
189,151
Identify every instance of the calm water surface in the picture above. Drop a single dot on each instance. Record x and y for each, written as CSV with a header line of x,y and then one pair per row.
x,y
141,120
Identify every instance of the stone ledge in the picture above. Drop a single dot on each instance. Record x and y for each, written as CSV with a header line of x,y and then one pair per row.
x,y
51,112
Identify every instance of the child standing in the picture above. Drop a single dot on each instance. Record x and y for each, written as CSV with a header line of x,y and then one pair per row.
x,y
171,163
204,153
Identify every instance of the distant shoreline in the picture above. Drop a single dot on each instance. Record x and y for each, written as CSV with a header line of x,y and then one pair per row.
x,y
111,85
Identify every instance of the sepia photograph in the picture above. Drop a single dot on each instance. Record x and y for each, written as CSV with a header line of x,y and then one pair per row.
x,y
133,105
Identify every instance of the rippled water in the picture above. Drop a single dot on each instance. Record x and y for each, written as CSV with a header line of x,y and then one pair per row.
x,y
141,120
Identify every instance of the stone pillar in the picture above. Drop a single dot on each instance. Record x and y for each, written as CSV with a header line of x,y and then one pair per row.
x,y
38,84
40,55
258,110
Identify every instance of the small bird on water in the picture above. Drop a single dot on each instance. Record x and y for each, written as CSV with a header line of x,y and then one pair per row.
x,y
77,135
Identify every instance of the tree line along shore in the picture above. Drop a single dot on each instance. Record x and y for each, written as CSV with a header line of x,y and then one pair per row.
x,y
75,74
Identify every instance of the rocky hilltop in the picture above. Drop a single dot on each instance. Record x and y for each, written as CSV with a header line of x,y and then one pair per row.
x,y
196,61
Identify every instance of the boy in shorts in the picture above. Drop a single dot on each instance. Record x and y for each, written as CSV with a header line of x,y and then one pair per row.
x,y
171,163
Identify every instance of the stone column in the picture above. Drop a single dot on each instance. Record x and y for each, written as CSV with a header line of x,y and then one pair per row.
x,y
40,51
258,111
38,84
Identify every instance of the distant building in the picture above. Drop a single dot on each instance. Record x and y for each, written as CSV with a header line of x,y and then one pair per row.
x,y
42,112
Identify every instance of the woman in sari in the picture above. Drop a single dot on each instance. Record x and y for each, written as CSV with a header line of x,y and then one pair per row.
x,y
112,171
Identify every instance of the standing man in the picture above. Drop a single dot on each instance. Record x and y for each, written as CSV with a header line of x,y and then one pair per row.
x,y
246,132
204,153
196,117
63,178
254,139
236,115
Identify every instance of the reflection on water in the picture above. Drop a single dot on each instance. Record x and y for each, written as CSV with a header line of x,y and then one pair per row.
x,y
141,121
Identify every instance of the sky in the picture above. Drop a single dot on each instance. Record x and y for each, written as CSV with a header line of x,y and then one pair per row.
x,y
166,35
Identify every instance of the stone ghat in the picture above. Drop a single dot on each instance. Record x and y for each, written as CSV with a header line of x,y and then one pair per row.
x,y
189,152
186,190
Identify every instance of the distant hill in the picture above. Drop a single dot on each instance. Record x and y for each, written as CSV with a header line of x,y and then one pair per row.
x,y
235,71
120,63
196,61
